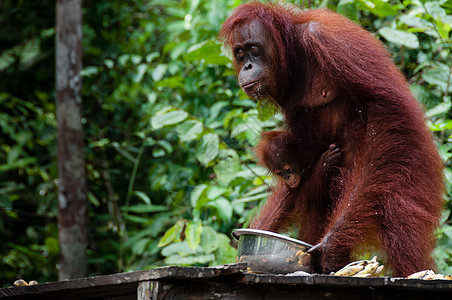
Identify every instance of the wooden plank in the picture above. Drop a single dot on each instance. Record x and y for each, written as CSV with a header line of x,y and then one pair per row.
x,y
229,282
191,290
127,282
327,280
144,290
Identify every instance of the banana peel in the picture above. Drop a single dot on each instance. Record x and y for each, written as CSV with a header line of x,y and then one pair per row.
x,y
429,275
361,268
372,268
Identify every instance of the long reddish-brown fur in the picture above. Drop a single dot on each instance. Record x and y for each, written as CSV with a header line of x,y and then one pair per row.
x,y
389,189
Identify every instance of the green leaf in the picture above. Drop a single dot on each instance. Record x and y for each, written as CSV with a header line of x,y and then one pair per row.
x,y
209,240
18,164
425,96
143,196
168,118
145,208
159,72
197,193
349,9
92,199
199,199
30,51
443,107
179,248
215,191
189,130
89,71
225,253
208,52
137,219
399,37
150,57
381,8
224,208
208,148
439,75
141,70
227,168
175,82
52,245
171,234
193,232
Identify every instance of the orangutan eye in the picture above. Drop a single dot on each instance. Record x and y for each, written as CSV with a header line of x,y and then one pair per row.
x,y
254,50
239,54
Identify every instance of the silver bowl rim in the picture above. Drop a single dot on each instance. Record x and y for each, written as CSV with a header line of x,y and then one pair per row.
x,y
238,232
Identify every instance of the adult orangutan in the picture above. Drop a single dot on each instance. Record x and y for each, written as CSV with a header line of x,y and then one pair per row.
x,y
336,84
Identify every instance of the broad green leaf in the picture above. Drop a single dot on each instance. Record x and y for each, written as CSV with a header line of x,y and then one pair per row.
x,y
165,145
441,108
193,232
159,72
425,96
197,193
109,63
444,151
123,59
208,52
225,253
215,191
209,239
30,51
399,37
349,9
89,71
226,169
158,152
150,57
139,247
180,248
381,8
141,70
439,75
208,148
440,125
416,22
189,130
224,208
175,82
168,118
171,234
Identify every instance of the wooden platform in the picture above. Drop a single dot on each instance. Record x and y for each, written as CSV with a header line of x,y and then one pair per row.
x,y
230,282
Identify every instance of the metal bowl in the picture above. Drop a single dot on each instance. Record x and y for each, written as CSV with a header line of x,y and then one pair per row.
x,y
269,252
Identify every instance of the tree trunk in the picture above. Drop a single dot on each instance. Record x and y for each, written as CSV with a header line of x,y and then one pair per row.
x,y
72,211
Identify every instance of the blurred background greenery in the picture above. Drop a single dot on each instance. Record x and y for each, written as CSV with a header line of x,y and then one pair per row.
x,y
168,132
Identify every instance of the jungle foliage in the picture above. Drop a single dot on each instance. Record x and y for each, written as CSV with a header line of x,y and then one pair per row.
x,y
168,133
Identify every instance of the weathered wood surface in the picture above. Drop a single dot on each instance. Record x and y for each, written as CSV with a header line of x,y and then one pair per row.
x,y
121,286
230,282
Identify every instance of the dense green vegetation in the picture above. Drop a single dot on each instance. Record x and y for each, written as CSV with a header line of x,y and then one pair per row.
x,y
168,132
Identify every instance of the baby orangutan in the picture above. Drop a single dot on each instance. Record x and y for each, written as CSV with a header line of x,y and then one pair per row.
x,y
276,151
300,177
